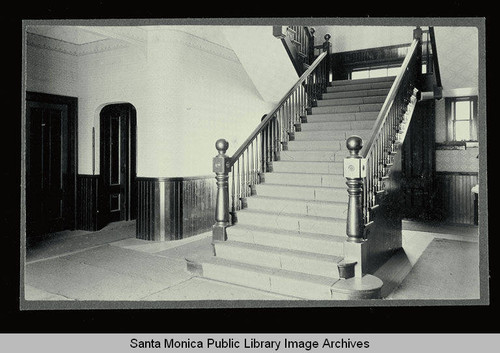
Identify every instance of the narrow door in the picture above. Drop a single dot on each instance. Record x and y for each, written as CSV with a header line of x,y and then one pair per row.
x,y
48,181
117,192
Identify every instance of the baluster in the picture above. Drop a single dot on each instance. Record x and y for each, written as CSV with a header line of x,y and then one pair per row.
x,y
354,172
221,168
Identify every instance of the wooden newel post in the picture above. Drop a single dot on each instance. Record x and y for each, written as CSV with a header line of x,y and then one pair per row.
x,y
354,172
221,168
327,46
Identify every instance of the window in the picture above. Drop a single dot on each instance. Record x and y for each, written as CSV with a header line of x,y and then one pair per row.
x,y
375,72
462,118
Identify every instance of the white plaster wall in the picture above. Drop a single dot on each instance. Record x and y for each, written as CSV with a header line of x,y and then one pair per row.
x,y
264,58
207,95
186,97
51,72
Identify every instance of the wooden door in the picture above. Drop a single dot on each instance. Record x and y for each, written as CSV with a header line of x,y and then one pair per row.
x,y
48,169
418,163
117,191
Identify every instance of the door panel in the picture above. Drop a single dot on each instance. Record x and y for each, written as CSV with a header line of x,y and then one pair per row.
x,y
117,163
47,202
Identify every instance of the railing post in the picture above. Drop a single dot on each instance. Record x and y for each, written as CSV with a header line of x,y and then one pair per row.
x,y
221,168
354,172
327,46
417,34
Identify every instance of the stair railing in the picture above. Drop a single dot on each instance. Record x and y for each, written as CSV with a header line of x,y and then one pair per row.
x,y
237,175
368,166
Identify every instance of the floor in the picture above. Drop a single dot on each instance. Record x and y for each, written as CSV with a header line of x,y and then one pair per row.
x,y
111,265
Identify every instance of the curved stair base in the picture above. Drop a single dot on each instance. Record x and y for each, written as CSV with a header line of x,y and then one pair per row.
x,y
290,283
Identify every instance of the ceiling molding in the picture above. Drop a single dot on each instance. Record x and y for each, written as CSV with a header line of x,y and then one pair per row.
x,y
43,42
187,39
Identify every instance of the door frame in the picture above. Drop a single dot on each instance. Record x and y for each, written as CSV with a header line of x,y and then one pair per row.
x,y
130,187
72,104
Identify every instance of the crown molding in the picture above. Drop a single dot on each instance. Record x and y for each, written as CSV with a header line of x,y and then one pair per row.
x,y
43,42
186,39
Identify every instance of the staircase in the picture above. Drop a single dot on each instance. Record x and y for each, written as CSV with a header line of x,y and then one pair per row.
x,y
290,238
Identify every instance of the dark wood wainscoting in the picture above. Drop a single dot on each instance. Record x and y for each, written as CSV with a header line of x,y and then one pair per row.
x,y
87,202
343,63
454,199
174,208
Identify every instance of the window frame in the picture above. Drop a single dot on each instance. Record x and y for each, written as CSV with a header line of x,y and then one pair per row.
x,y
450,103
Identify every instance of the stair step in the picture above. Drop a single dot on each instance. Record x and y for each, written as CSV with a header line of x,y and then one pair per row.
x,y
356,93
300,192
331,134
355,86
311,155
293,222
290,283
326,145
298,206
279,281
312,242
306,179
283,259
308,167
357,116
337,125
364,80
372,107
351,101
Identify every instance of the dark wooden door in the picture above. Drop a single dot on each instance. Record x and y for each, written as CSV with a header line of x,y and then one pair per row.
x,y
117,192
418,163
48,171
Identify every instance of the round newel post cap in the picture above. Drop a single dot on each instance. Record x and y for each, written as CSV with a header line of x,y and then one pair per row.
x,y
221,145
327,36
354,144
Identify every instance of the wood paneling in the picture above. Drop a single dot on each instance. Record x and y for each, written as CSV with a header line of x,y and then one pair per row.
x,y
385,234
345,62
174,208
87,202
454,199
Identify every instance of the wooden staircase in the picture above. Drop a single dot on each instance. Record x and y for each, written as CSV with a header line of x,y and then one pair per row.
x,y
290,238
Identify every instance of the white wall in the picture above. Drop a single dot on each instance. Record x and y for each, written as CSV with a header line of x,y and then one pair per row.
x,y
188,92
264,58
51,72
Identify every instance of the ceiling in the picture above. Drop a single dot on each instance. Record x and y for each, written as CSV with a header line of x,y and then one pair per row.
x,y
457,47
69,34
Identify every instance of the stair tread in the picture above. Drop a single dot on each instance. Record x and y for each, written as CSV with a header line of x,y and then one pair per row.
x,y
294,215
300,186
305,255
311,278
308,235
318,202
364,80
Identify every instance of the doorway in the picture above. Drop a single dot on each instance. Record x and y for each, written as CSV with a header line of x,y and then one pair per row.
x,y
50,163
117,192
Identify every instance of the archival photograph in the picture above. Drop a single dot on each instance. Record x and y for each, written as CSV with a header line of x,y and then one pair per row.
x,y
253,162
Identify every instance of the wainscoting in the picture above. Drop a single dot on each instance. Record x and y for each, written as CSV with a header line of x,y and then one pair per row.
x,y
174,208
454,199
87,202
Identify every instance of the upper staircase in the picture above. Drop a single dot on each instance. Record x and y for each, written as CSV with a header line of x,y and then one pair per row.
x,y
282,214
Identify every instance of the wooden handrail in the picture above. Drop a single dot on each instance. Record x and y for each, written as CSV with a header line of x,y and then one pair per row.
x,y
435,57
270,115
389,100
